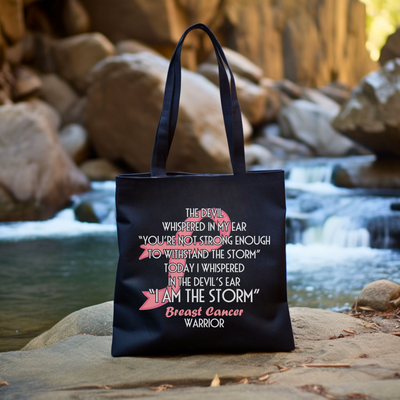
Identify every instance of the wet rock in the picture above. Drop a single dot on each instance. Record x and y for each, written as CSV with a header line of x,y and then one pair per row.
x,y
58,93
257,154
368,174
391,49
27,82
48,369
384,232
239,65
95,207
371,117
75,141
252,97
37,177
75,18
76,55
127,133
309,123
95,320
12,19
382,295
100,170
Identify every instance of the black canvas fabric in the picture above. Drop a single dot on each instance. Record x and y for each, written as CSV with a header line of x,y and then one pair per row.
x,y
202,266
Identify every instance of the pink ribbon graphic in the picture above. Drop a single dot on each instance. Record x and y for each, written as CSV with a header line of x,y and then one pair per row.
x,y
151,303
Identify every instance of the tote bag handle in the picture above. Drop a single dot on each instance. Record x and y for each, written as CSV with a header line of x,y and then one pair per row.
x,y
169,115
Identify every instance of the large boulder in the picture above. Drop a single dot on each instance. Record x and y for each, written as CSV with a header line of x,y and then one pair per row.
x,y
253,98
371,117
357,363
391,48
124,106
37,177
75,56
382,295
309,123
95,320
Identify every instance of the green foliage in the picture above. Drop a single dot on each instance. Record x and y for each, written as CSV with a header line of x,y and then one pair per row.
x,y
383,17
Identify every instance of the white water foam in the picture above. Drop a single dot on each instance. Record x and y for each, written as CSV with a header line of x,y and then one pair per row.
x,y
63,224
313,257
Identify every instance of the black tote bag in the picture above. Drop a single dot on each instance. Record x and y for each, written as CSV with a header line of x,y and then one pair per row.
x,y
202,266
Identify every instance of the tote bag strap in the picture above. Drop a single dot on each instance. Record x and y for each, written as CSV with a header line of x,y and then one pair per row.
x,y
169,116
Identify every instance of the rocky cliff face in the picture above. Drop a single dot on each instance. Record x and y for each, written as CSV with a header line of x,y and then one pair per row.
x,y
309,42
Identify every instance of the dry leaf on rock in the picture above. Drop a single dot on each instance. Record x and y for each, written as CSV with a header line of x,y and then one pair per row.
x,y
216,381
165,386
263,378
281,368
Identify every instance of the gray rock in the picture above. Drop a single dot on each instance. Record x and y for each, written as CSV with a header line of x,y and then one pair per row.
x,y
382,295
317,97
371,117
309,123
95,320
281,147
81,367
391,49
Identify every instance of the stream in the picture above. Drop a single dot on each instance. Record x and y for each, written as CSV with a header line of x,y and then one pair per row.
x,y
338,240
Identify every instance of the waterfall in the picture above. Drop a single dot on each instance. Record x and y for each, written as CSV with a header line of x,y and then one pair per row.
x,y
311,174
337,231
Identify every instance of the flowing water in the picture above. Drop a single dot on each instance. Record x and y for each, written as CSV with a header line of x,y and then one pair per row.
x,y
338,241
